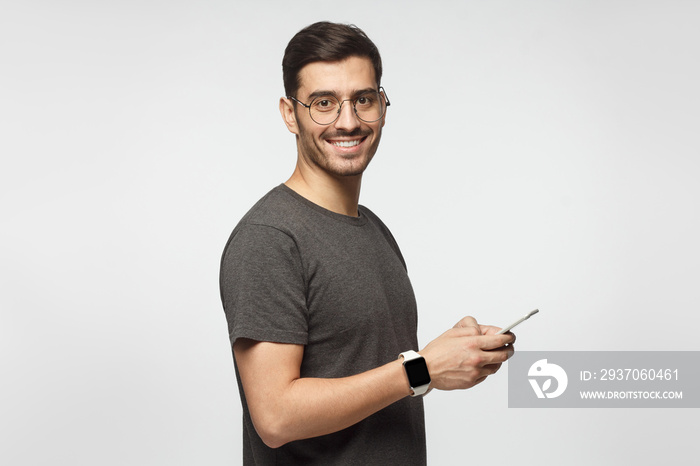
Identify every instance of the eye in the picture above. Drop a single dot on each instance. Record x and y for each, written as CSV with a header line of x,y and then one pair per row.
x,y
325,104
366,100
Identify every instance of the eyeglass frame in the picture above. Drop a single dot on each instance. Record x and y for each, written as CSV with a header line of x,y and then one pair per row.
x,y
340,108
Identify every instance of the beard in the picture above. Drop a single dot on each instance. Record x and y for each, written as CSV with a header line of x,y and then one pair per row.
x,y
316,152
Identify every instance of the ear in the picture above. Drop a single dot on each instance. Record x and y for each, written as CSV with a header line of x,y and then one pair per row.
x,y
288,115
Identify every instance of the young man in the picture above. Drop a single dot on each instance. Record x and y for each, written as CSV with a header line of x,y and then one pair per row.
x,y
321,313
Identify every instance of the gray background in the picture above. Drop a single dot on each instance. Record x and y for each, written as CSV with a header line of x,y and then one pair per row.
x,y
536,154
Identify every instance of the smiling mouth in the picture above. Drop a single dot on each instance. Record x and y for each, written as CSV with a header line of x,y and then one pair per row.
x,y
352,143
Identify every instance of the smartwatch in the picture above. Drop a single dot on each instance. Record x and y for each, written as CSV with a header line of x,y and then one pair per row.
x,y
417,372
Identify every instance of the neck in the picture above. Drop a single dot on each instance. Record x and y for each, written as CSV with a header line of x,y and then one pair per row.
x,y
339,194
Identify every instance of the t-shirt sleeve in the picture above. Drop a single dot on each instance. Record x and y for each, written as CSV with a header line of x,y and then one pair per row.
x,y
263,286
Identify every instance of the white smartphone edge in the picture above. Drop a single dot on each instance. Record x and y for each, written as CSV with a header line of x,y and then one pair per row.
x,y
518,322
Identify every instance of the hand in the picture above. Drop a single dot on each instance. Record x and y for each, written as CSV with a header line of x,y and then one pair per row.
x,y
466,354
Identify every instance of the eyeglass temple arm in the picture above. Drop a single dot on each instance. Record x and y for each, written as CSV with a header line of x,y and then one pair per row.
x,y
298,101
386,97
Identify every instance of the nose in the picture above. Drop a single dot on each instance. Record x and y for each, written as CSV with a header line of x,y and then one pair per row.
x,y
347,120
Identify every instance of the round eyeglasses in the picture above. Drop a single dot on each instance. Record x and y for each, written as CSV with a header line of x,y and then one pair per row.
x,y
369,106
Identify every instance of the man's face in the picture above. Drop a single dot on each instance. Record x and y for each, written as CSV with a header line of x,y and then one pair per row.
x,y
346,146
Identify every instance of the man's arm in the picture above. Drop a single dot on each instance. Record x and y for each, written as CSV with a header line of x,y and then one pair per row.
x,y
285,407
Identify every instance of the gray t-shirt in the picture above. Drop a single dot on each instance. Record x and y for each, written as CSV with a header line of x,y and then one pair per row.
x,y
294,272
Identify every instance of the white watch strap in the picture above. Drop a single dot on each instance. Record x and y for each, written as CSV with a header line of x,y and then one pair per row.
x,y
410,354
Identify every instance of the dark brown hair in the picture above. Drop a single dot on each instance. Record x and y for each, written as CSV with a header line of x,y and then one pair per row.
x,y
326,41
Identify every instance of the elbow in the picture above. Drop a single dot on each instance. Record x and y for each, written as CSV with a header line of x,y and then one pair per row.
x,y
270,438
272,431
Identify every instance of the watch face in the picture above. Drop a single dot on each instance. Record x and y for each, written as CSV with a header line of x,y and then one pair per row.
x,y
417,372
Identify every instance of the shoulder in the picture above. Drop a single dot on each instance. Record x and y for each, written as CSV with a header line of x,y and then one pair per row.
x,y
374,220
277,209
371,216
269,221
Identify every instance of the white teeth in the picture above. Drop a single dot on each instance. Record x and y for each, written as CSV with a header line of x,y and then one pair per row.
x,y
346,143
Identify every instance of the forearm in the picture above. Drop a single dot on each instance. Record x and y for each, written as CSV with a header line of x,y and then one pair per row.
x,y
285,407
311,407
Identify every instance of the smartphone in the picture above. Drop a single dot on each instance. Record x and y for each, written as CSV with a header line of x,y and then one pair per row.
x,y
517,322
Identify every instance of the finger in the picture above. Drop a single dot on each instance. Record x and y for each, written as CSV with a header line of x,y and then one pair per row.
x,y
512,335
492,342
479,380
467,321
487,370
493,368
465,331
497,356
509,348
489,329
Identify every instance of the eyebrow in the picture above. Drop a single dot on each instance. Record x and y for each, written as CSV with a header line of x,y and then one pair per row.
x,y
321,93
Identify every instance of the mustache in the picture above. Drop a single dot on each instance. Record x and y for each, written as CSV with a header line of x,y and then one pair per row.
x,y
359,132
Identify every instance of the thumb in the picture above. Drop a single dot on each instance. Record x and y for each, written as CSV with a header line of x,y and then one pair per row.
x,y
468,321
